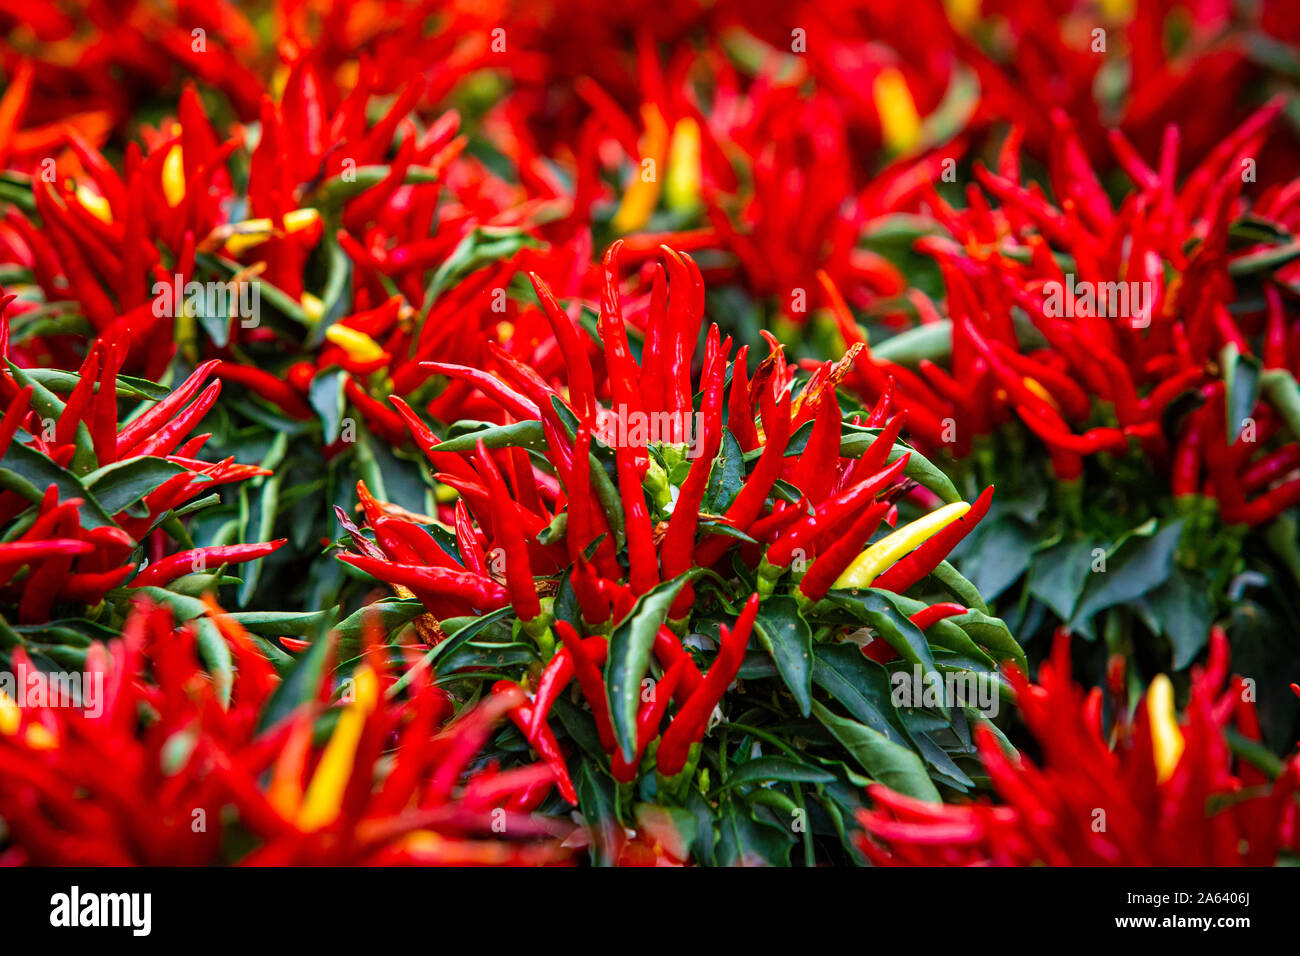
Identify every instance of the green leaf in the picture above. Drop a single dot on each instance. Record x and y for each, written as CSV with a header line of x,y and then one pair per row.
x,y
392,614
992,633
889,763
291,623
259,528
216,658
120,485
1184,611
300,685
326,397
1002,556
26,472
1266,260
629,656
879,610
483,246
1241,374
861,685
465,436
775,768
1141,565
337,190
598,804
1057,575
924,473
1284,394
457,637
932,341
745,841
956,584
787,637
127,386
184,608
726,476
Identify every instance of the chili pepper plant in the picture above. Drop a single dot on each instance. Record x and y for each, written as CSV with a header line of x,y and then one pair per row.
x,y
531,433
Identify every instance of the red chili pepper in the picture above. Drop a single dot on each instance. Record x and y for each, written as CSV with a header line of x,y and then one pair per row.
x,y
481,592
649,716
910,569
643,559
24,552
624,375
378,416
47,575
831,562
688,724
91,586
1185,477
103,418
467,542
544,742
517,405
554,679
414,541
428,442
879,414
76,410
1271,466
595,606
740,415
669,652
587,658
582,389
152,421
509,535
814,470
184,562
929,616
679,540
832,514
1268,505
749,501
270,387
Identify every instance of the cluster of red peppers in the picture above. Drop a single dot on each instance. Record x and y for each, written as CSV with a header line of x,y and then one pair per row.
x,y
1131,310
1140,788
411,198
391,783
634,513
89,503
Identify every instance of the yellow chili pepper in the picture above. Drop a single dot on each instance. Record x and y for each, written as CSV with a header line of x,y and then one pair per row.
x,y
643,194
315,309
324,795
900,125
359,346
682,190
247,234
872,562
962,14
10,715
173,176
1166,739
39,738
1037,388
95,204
